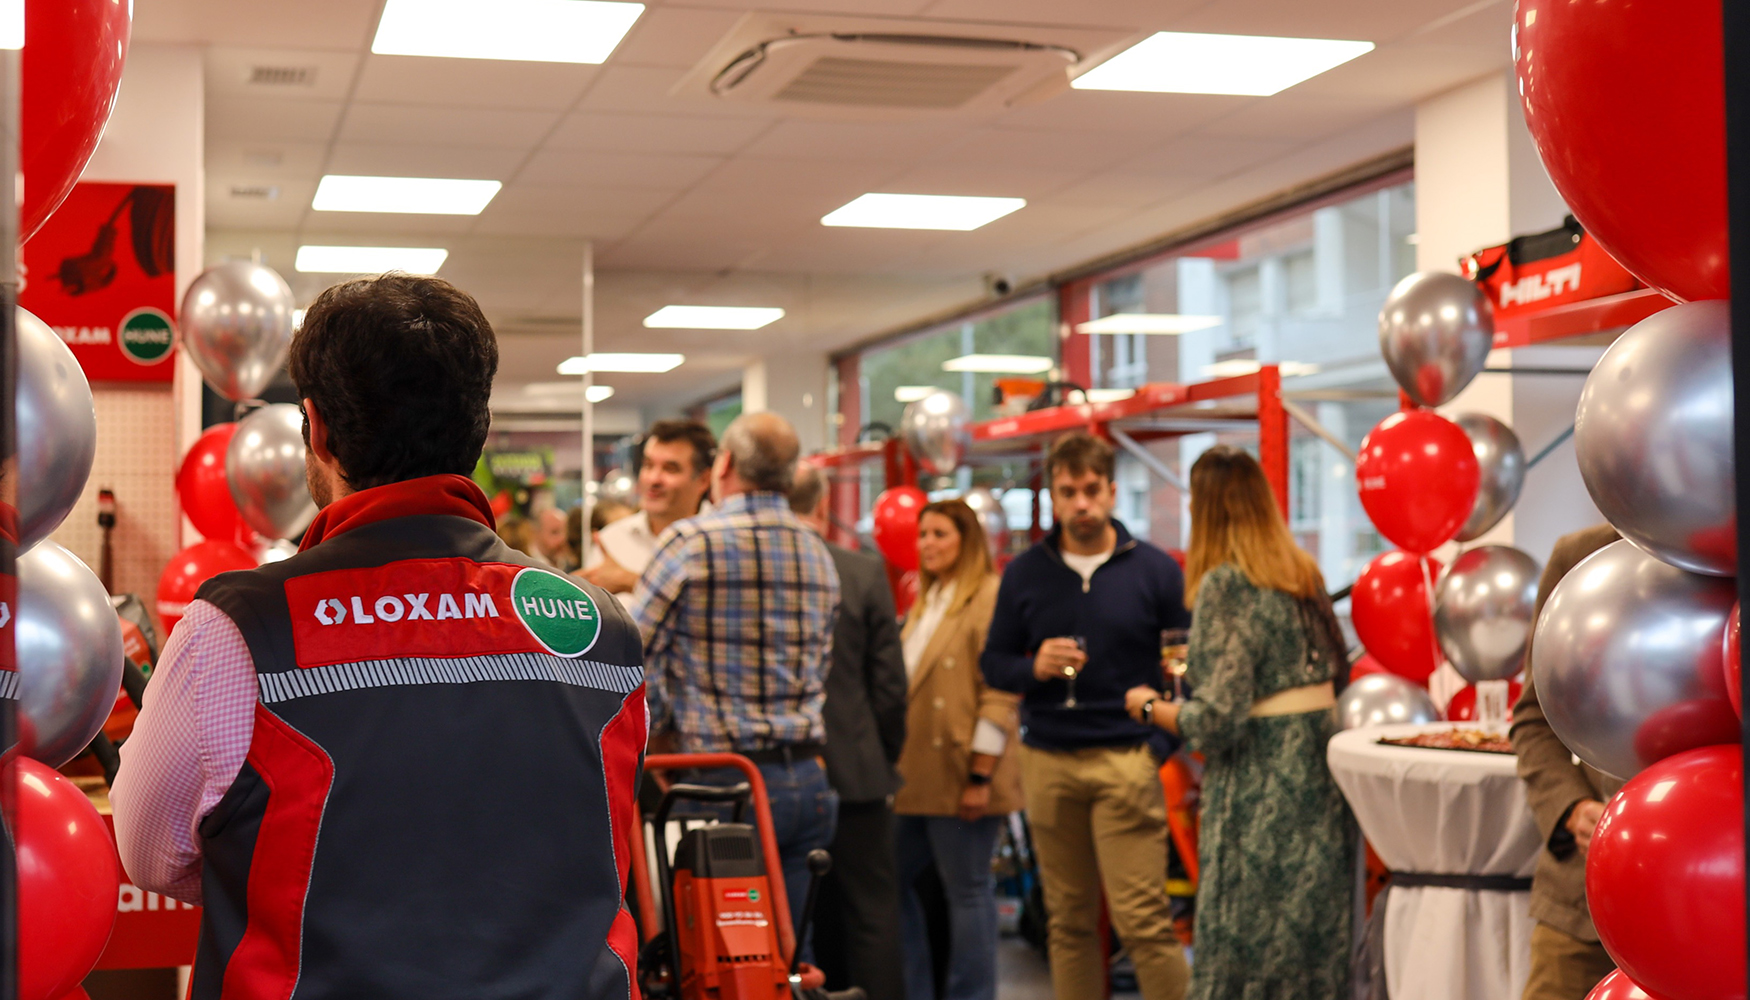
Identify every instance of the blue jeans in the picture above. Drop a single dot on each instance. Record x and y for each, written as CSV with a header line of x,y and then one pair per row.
x,y
961,853
805,815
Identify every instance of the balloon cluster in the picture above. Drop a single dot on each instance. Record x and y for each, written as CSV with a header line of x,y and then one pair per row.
x,y
241,484
1426,480
65,634
1636,656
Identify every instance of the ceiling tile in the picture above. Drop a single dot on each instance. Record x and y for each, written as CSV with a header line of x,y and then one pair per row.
x,y
1142,14
306,24
261,118
645,90
373,223
1016,179
472,83
1365,20
264,160
1409,71
524,196
325,75
226,209
396,123
1294,116
630,170
409,160
827,140
625,133
1116,188
1077,152
1118,111
674,36
773,178
1204,156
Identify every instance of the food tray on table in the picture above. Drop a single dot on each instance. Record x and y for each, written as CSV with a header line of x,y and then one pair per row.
x,y
1470,740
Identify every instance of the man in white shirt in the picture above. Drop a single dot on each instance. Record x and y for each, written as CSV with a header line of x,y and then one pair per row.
x,y
673,479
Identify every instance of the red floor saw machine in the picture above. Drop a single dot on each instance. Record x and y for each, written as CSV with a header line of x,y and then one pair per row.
x,y
717,926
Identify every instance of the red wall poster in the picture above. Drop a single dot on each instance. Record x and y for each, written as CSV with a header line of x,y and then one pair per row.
x,y
102,273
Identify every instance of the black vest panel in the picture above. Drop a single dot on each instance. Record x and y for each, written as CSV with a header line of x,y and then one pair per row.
x,y
438,794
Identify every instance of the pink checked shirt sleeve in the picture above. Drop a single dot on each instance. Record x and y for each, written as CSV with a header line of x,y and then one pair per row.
x,y
186,750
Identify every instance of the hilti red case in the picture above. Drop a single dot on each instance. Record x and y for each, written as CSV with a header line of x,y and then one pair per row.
x,y
1542,270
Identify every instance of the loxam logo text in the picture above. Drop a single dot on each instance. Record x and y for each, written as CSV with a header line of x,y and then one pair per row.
x,y
412,607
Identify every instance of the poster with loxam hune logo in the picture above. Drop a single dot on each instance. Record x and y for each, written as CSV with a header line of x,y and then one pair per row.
x,y
102,273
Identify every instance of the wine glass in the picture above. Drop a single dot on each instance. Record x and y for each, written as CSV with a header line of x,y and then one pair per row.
x,y
1175,642
1069,673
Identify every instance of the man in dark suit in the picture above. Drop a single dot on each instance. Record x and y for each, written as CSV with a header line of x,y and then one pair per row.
x,y
856,921
1567,799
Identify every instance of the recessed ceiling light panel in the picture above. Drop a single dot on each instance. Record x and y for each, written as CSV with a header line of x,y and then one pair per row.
x,y
1151,323
1000,364
713,317
611,362
1176,62
912,393
403,195
922,211
369,260
566,31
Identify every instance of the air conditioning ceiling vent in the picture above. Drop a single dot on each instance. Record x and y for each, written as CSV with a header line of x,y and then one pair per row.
x,y
863,68
281,76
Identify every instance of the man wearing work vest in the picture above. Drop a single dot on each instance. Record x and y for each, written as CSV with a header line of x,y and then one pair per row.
x,y
401,763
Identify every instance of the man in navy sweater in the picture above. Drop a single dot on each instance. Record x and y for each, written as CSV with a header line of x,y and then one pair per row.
x,y
1078,622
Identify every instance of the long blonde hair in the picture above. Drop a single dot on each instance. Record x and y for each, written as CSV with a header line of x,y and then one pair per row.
x,y
974,564
1234,519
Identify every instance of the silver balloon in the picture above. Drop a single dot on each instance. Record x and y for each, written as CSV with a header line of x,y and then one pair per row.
x,y
1435,331
1502,462
236,325
935,431
69,654
1653,434
1383,699
275,551
991,517
265,468
57,430
1483,610
1627,660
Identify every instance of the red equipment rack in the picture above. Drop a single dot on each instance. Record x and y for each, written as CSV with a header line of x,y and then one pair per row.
x,y
1157,410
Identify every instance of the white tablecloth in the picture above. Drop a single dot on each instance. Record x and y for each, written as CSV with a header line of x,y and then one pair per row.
x,y
1445,812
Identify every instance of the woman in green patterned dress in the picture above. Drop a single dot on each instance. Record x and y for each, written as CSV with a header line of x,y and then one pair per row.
x,y
1276,849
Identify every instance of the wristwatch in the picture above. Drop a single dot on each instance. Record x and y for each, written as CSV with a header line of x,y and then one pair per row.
x,y
978,779
1147,715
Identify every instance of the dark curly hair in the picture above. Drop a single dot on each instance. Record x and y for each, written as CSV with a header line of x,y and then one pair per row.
x,y
400,367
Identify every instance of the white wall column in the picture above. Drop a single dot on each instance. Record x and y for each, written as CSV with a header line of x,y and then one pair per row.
x,y
1479,183
792,385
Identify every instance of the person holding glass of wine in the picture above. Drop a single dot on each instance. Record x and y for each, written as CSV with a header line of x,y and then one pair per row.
x,y
1264,658
1078,622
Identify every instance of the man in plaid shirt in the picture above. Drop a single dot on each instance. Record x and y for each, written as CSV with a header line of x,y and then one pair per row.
x,y
737,609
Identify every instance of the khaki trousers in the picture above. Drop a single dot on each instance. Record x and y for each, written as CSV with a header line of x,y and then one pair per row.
x,y
1099,822
1563,967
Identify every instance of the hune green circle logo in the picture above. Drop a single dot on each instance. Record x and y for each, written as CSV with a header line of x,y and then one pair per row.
x,y
146,336
561,616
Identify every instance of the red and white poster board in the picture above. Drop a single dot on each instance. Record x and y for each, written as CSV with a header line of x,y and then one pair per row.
x,y
102,273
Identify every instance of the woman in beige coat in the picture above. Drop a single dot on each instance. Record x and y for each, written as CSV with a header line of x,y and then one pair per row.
x,y
958,765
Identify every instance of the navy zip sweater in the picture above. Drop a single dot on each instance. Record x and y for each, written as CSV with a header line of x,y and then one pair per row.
x,y
1121,611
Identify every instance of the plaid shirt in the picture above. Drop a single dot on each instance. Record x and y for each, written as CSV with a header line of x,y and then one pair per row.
x,y
737,610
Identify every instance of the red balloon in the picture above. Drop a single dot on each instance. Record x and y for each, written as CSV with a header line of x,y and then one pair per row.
x,y
1418,476
1366,665
1665,876
1732,664
68,881
1392,614
72,65
896,524
1463,706
1626,102
189,569
206,494
1617,986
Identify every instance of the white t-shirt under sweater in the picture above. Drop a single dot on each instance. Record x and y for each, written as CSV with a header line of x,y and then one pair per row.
x,y
1085,565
